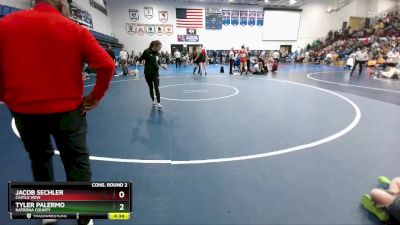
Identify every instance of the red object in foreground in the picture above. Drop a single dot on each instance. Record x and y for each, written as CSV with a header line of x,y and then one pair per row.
x,y
41,57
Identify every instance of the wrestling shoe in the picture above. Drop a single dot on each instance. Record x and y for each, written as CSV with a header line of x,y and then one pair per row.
x,y
370,205
384,180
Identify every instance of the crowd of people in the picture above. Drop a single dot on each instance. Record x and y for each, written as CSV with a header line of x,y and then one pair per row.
x,y
243,60
379,42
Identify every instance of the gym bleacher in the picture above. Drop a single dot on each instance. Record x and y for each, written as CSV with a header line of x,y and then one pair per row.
x,y
5,10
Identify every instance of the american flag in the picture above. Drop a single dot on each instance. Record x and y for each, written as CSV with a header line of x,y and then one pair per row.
x,y
189,18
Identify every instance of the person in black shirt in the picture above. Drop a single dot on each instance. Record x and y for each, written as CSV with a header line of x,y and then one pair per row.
x,y
111,52
112,55
196,61
152,64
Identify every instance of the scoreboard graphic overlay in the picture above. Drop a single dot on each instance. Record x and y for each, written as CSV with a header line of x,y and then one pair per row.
x,y
72,200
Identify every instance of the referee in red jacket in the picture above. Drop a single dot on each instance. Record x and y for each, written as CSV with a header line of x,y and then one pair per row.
x,y
45,92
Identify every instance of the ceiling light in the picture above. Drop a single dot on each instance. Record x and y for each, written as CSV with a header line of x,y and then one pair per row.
x,y
293,2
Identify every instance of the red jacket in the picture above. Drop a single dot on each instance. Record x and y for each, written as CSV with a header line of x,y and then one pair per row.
x,y
41,57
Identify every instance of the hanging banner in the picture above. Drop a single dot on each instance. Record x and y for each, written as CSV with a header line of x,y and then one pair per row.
x,y
169,30
260,18
235,17
226,17
134,14
150,29
130,28
81,16
188,38
252,18
140,29
213,19
148,12
244,15
191,31
160,29
163,16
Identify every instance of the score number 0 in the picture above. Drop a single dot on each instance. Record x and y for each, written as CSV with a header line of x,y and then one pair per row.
x,y
121,195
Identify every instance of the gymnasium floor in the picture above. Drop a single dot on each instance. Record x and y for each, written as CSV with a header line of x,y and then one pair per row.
x,y
300,146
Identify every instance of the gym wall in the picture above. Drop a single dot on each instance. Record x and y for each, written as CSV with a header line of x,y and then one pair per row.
x,y
230,36
101,22
20,4
315,22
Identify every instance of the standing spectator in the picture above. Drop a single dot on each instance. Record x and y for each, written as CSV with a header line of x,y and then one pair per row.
x,y
249,55
276,55
137,58
110,52
236,58
220,55
214,57
112,55
44,93
185,58
133,55
231,60
167,58
124,62
177,56
132,60
360,59
163,60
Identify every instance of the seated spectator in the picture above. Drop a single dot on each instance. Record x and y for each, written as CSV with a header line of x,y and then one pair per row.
x,y
384,203
256,69
263,65
350,62
307,57
274,66
301,56
328,58
380,61
391,72
392,57
276,55
381,25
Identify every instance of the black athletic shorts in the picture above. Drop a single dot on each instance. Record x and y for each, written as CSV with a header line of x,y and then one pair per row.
x,y
394,209
202,59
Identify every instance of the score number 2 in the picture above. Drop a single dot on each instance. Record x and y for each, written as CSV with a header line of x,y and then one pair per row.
x,y
121,195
